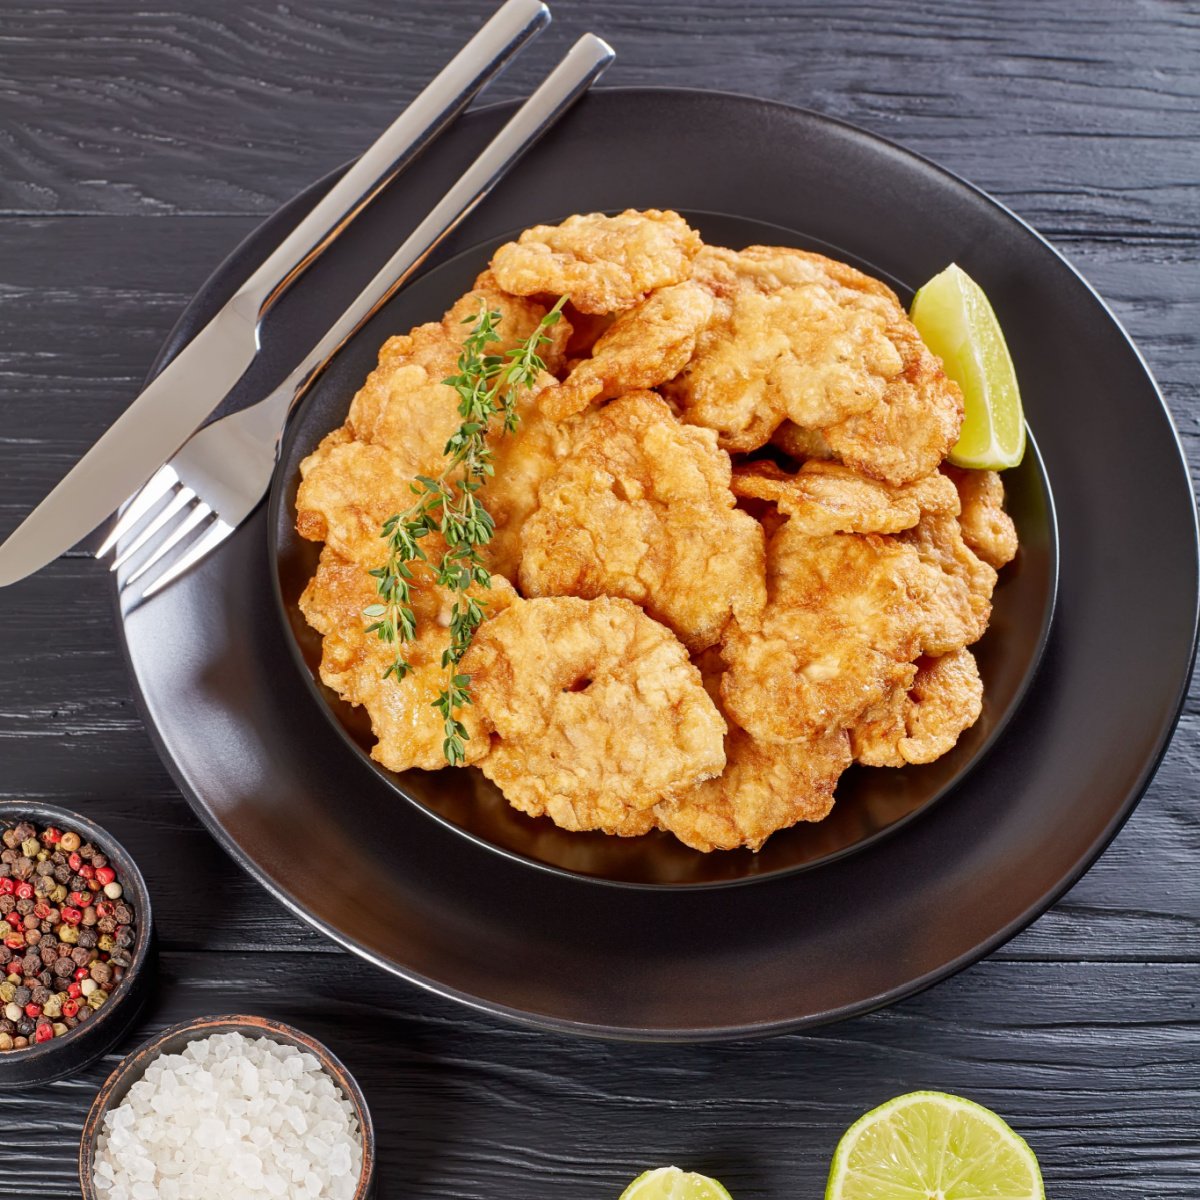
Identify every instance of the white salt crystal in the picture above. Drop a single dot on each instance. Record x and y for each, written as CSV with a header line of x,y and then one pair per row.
x,y
231,1116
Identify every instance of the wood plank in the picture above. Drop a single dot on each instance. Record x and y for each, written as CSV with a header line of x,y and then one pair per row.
x,y
1080,119
467,1107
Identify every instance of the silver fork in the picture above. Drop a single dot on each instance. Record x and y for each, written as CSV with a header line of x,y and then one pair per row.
x,y
222,472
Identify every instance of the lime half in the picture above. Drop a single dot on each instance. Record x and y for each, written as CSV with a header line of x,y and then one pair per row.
x,y
670,1183
930,1146
957,323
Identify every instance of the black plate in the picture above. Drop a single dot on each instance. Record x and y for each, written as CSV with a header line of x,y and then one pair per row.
x,y
253,751
870,803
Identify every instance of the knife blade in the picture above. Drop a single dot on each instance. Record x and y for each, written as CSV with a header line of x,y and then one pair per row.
x,y
187,391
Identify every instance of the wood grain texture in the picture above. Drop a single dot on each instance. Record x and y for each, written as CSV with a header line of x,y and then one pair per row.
x,y
1094,1065
138,144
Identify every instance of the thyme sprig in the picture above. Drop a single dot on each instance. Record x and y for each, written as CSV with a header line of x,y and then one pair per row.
x,y
487,385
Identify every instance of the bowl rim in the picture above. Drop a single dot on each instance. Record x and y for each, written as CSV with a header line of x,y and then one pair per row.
x,y
144,924
280,501
134,1064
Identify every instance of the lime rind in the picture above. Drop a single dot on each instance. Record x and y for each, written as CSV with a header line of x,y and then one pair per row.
x,y
670,1183
956,321
933,1146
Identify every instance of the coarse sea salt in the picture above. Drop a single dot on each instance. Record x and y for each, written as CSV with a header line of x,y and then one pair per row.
x,y
231,1118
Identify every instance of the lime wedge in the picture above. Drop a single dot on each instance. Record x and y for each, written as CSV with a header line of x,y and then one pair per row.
x,y
930,1146
957,323
670,1183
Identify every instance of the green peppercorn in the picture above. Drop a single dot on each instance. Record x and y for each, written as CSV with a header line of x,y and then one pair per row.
x,y
7,991
69,841
59,1029
6,1041
67,933
105,943
52,1008
30,847
97,998
59,894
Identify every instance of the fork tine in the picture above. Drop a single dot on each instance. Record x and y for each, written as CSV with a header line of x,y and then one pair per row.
x,y
155,488
200,512
178,504
215,535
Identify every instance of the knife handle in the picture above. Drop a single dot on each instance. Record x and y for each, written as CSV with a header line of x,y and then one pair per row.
x,y
479,61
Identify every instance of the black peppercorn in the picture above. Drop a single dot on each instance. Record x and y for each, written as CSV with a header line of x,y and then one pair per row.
x,y
25,1027
120,958
24,831
48,951
23,867
45,867
25,907
7,1026
88,938
124,937
64,968
22,996
105,924
62,874
41,993
7,904
5,955
81,956
99,860
32,963
10,839
123,914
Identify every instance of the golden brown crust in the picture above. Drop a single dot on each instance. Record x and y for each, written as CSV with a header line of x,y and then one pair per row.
x,y
605,264
826,497
799,337
353,661
986,527
597,712
642,509
645,346
924,722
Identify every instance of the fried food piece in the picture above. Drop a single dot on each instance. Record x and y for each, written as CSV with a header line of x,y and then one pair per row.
x,y
923,723
840,632
645,346
801,337
347,490
399,423
763,789
825,497
912,428
787,338
523,461
642,509
604,264
598,713
353,661
954,588
986,527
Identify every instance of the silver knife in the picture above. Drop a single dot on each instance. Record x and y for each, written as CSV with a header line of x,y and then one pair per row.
x,y
195,382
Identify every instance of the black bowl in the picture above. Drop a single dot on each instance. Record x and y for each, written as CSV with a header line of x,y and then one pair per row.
x,y
171,1041
70,1053
871,803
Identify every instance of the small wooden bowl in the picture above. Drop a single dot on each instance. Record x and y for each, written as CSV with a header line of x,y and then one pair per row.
x,y
172,1041
69,1054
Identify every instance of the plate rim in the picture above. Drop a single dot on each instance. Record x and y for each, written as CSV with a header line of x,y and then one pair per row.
x,y
173,342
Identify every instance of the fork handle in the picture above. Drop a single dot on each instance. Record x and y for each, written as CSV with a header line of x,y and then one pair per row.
x,y
480,60
584,63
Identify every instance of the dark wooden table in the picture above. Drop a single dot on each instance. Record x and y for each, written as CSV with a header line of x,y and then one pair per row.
x,y
139,143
